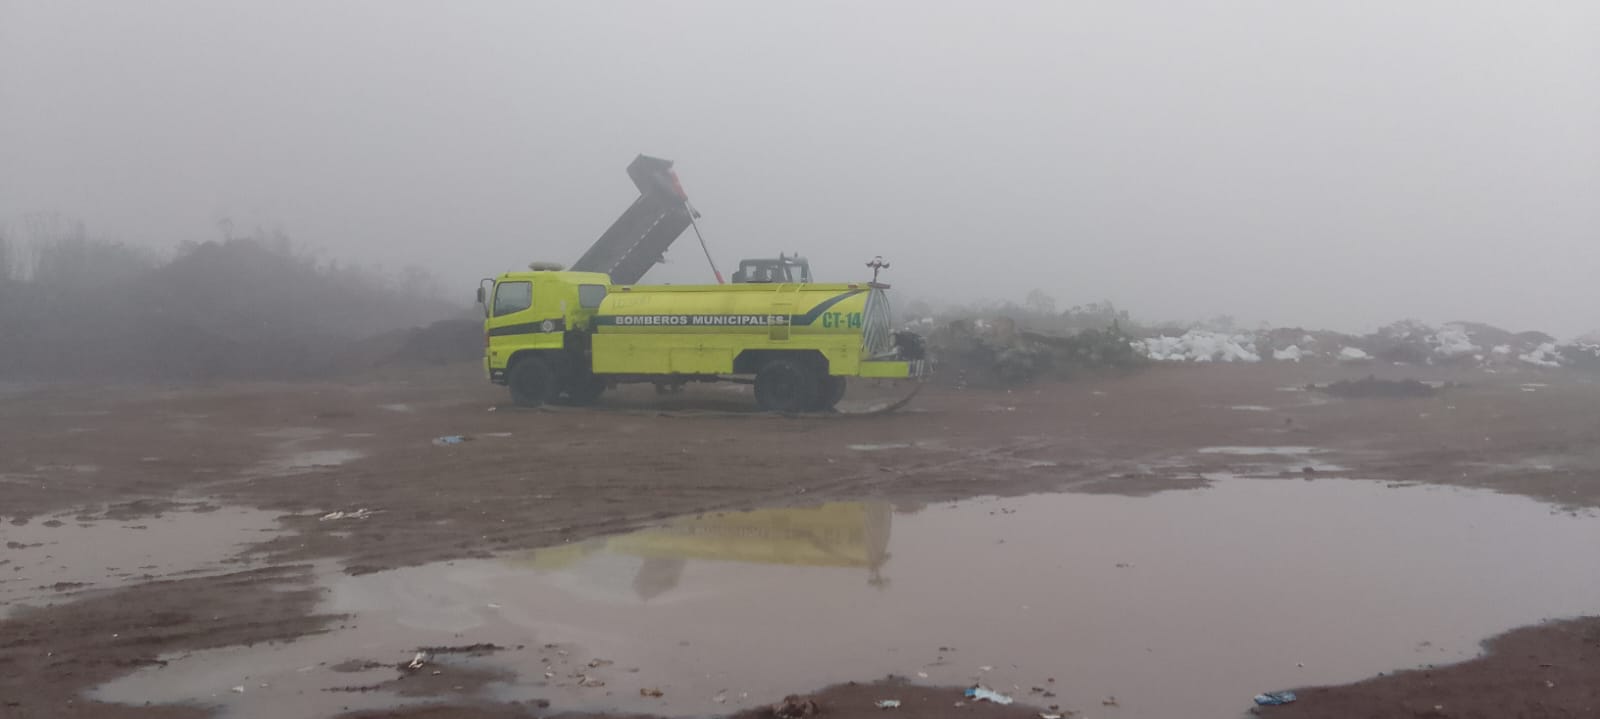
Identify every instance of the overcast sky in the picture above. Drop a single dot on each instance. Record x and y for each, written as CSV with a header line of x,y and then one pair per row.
x,y
1332,164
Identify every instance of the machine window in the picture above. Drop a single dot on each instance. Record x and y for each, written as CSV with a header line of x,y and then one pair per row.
x,y
512,297
589,296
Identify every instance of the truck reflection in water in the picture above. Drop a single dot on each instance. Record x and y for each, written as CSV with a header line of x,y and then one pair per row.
x,y
839,534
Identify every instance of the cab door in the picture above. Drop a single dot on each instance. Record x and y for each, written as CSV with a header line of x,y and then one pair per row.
x,y
515,322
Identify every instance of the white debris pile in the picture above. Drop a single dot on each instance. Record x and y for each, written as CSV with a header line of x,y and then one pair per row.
x,y
1200,346
1292,353
1545,355
1453,341
1353,354
1582,354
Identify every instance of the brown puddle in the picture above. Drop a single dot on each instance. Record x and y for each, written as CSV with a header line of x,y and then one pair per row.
x,y
49,559
1181,604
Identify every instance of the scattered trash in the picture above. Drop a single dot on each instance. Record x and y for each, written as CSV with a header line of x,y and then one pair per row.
x,y
922,675
238,689
650,692
795,707
588,681
362,513
1272,699
986,668
1049,716
449,439
597,663
418,660
987,695
877,447
1373,387
720,698
887,704
1110,701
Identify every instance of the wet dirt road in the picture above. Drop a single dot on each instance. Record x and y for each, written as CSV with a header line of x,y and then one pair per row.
x,y
1154,538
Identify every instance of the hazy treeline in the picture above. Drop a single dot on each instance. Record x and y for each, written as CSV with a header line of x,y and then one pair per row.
x,y
74,305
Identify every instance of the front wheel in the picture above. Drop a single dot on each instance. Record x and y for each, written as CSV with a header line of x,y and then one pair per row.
x,y
786,386
532,383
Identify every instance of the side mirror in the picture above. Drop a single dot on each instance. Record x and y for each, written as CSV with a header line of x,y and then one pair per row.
x,y
482,295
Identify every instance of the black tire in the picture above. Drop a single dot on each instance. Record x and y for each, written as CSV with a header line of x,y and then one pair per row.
x,y
532,383
829,391
787,386
583,389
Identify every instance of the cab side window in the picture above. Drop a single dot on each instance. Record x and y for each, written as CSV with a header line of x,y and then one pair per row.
x,y
590,296
512,297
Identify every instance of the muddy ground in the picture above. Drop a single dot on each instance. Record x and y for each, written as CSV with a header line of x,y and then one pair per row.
x,y
125,456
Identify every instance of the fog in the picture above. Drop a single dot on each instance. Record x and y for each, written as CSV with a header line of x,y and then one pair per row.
x,y
1328,164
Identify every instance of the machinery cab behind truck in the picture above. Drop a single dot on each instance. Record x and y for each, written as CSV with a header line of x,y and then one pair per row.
x,y
564,337
785,268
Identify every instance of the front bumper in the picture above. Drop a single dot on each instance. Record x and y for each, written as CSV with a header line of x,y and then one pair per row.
x,y
895,369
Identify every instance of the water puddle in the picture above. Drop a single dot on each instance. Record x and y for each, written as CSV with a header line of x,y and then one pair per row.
x,y
293,457
1261,451
1181,604
49,560
309,459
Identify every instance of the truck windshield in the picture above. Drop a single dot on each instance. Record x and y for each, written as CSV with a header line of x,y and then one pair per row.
x,y
512,297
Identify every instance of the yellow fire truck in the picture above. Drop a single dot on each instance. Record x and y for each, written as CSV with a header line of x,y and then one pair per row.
x,y
562,336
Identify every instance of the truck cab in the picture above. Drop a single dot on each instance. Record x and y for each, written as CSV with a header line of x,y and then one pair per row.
x,y
547,311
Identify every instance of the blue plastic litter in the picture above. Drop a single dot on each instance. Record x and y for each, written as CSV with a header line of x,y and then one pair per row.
x,y
450,439
987,695
1272,699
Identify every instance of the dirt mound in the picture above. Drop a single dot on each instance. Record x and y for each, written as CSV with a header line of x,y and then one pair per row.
x,y
443,342
245,308
993,352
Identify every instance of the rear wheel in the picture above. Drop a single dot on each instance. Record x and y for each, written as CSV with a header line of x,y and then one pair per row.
x,y
786,386
532,383
829,392
583,388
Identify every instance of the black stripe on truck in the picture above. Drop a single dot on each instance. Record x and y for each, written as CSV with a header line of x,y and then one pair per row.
x,y
529,328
